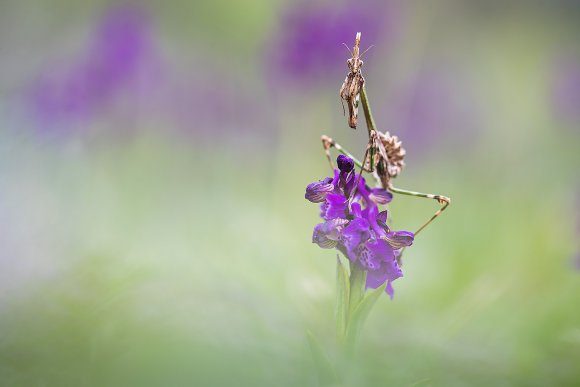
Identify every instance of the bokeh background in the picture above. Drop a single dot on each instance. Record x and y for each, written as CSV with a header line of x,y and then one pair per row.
x,y
153,160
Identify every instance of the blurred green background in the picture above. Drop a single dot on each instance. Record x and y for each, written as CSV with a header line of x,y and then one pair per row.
x,y
153,160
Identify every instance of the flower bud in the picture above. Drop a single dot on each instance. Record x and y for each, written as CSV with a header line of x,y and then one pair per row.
x,y
345,163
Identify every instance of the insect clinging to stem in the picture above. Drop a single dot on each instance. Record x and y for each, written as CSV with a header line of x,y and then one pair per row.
x,y
353,83
384,156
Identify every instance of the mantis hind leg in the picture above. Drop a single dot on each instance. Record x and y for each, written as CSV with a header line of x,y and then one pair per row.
x,y
444,201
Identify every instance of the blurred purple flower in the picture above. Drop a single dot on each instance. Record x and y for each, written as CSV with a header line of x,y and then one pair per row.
x,y
123,72
437,106
566,89
309,45
361,234
121,46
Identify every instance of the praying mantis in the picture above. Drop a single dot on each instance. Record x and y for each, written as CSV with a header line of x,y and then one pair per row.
x,y
383,155
353,83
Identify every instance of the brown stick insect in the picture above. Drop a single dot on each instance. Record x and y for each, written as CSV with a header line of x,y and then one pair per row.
x,y
353,82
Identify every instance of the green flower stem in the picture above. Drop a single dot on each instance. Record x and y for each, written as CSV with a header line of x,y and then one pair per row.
x,y
371,125
360,304
357,281
342,300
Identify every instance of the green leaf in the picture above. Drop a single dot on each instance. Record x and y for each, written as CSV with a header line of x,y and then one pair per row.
x,y
358,279
342,299
325,371
360,314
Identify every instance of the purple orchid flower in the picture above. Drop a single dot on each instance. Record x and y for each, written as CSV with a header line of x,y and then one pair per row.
x,y
356,227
